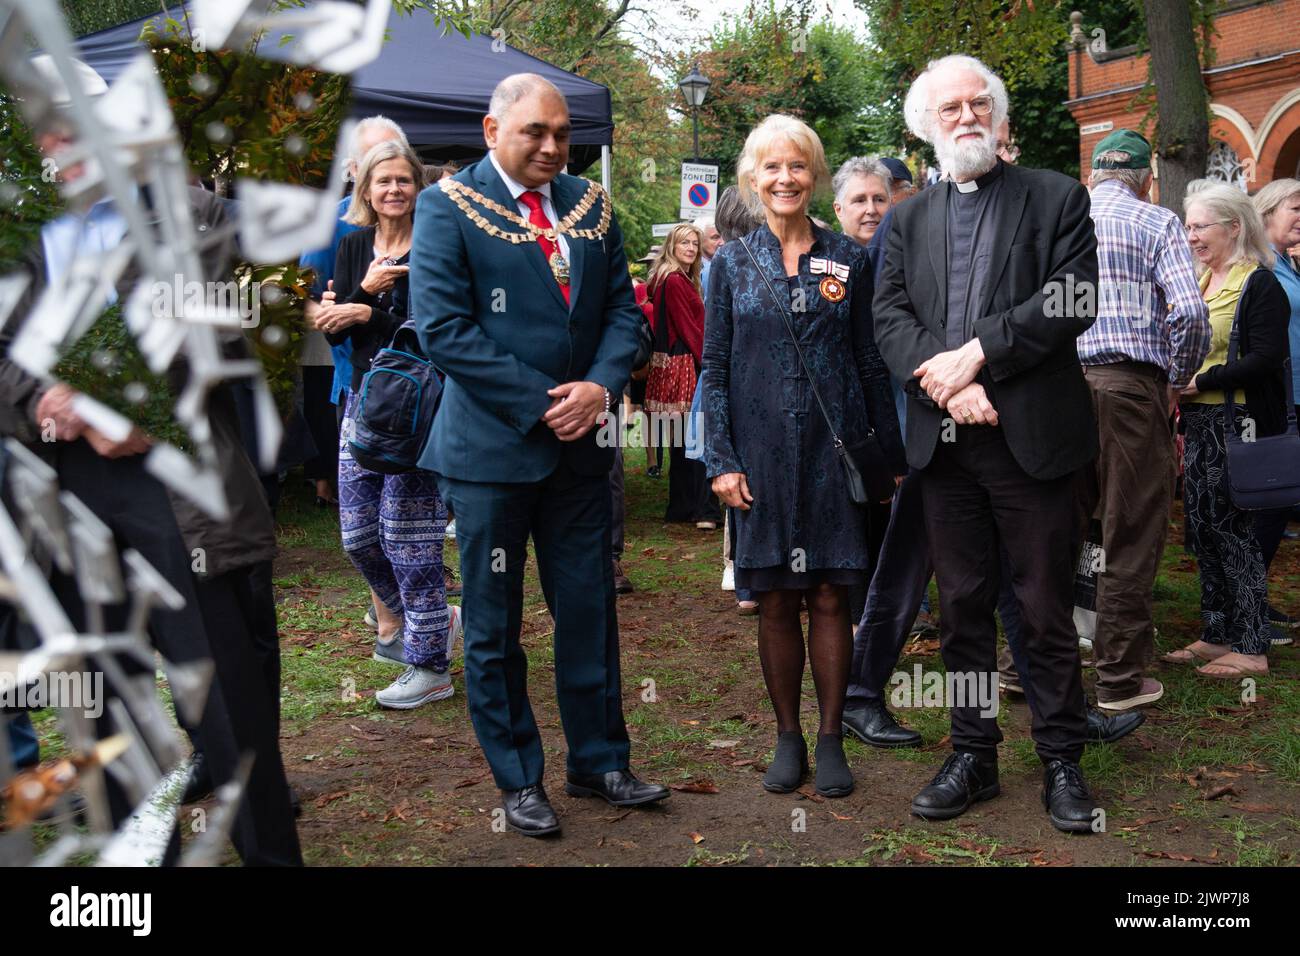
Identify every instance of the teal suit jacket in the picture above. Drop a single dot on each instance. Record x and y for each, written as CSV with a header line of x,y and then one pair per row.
x,y
491,316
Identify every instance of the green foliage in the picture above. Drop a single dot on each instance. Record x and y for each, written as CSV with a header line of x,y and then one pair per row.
x,y
238,114
1024,44
773,61
91,16
28,198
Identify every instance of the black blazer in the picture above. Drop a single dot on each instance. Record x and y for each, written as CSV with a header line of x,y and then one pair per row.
x,y
1044,234
387,311
1263,315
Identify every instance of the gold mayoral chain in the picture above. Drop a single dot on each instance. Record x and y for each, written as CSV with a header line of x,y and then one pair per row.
x,y
461,195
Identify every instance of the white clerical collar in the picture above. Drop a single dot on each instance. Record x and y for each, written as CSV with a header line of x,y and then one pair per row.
x,y
979,182
516,189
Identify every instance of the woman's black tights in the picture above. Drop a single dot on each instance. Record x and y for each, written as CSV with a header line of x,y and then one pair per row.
x,y
781,651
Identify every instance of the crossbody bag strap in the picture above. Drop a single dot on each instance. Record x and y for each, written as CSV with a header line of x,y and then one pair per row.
x,y
789,327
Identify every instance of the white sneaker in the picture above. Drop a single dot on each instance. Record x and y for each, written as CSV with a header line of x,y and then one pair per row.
x,y
455,629
451,531
729,577
416,686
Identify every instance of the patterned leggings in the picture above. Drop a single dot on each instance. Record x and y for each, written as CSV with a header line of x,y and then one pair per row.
x,y
1233,578
393,528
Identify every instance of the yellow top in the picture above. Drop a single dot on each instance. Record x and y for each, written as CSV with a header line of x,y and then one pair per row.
x,y
1223,307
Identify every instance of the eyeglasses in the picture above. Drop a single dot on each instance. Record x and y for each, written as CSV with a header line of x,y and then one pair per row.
x,y
951,112
1196,230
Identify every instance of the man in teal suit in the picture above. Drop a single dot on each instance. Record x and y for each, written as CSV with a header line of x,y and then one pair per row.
x,y
521,294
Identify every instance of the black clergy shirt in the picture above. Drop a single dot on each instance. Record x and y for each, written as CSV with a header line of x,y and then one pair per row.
x,y
973,209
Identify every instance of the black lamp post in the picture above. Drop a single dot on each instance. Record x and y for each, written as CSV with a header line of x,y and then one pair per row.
x,y
694,88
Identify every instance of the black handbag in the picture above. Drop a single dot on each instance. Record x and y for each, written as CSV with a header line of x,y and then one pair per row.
x,y
1263,473
866,470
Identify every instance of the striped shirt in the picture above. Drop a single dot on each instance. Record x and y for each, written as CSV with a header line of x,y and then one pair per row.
x,y
1149,305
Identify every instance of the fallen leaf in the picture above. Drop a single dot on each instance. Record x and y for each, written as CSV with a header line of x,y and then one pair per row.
x,y
695,786
1222,790
742,763
471,781
697,838
1145,821
809,793
914,854
1256,807
367,734
723,744
328,798
839,816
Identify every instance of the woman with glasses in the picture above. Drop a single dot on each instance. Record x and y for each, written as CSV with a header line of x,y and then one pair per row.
x,y
393,526
1227,238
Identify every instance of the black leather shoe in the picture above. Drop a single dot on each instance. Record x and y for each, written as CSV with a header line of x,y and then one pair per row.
x,y
874,724
619,788
1069,804
1107,730
962,780
199,784
529,812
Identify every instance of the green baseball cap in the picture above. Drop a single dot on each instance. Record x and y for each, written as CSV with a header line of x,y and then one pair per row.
x,y
1125,141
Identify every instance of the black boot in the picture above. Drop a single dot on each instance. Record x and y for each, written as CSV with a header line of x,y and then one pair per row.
x,y
789,765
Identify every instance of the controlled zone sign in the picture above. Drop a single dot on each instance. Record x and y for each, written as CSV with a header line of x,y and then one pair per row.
x,y
699,190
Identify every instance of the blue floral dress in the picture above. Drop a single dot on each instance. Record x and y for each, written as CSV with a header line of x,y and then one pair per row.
x,y
761,418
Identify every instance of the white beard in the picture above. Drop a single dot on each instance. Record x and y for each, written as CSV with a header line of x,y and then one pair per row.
x,y
966,160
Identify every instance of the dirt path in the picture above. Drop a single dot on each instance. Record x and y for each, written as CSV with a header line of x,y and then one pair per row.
x,y
383,787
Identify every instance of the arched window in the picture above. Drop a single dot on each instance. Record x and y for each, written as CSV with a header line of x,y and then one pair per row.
x,y
1224,166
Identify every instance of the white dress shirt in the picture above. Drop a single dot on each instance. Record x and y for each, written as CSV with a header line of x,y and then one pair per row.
x,y
517,190
99,230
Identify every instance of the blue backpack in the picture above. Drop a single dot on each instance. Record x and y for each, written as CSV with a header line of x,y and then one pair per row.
x,y
399,397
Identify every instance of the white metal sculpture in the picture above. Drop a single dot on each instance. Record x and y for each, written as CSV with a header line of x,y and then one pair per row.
x,y
124,140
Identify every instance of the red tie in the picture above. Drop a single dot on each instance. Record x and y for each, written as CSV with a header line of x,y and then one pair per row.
x,y
533,200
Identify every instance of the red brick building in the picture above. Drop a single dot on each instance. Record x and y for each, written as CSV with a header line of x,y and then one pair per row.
x,y
1254,85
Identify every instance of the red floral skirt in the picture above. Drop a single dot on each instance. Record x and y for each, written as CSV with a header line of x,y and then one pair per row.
x,y
671,384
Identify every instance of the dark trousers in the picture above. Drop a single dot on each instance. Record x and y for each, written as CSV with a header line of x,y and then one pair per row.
x,y
567,516
974,493
1129,489
618,506
902,571
136,508
1270,526
1222,536
322,422
690,493
235,611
